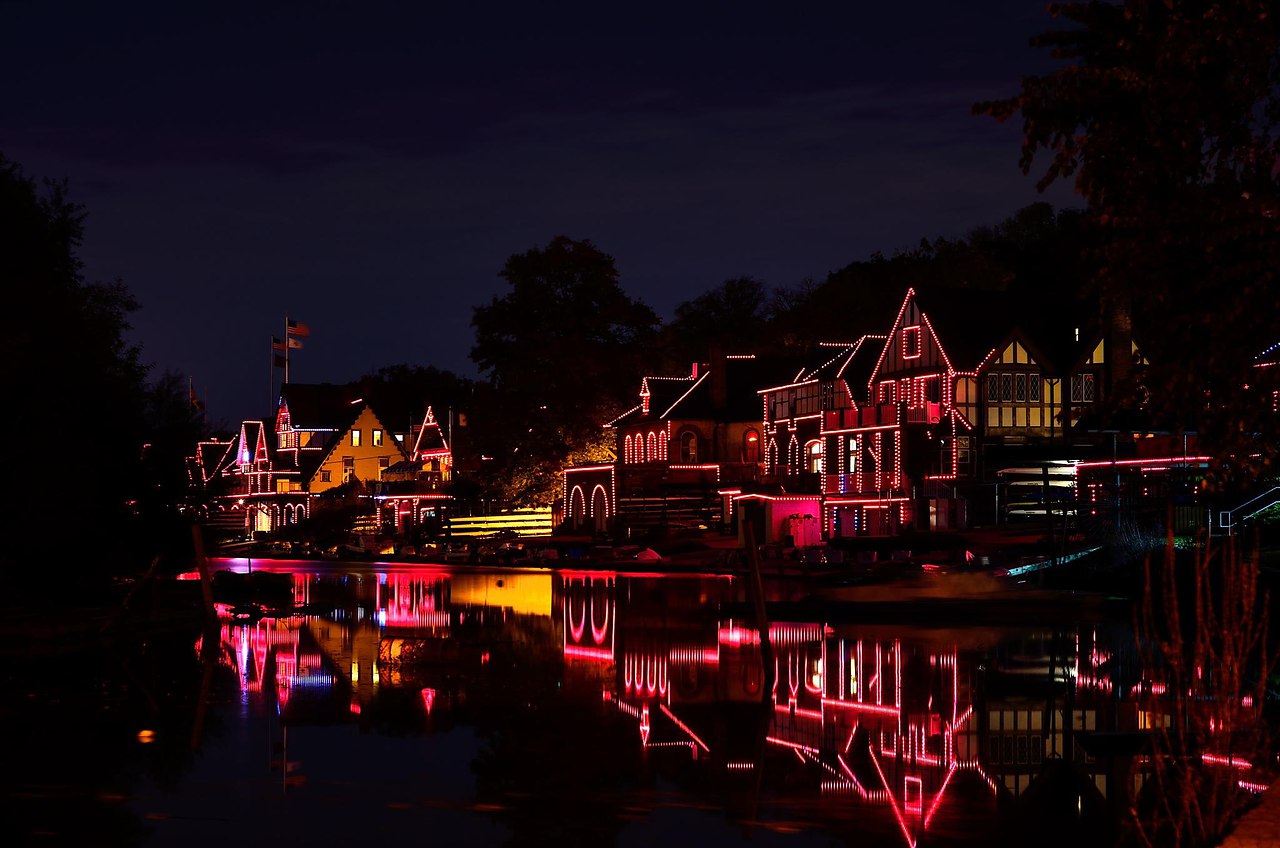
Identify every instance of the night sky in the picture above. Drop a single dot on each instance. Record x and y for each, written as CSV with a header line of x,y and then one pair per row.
x,y
367,168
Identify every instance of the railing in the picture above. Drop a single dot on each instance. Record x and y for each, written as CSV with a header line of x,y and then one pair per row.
x,y
850,484
1227,519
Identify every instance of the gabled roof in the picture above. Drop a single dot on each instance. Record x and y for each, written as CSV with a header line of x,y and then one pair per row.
x,y
312,462
972,323
320,406
431,438
662,392
212,457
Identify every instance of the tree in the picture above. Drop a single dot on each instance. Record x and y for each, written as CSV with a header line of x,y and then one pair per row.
x,y
734,317
77,420
1166,116
563,351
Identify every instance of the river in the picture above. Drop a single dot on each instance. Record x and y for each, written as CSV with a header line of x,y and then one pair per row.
x,y
429,705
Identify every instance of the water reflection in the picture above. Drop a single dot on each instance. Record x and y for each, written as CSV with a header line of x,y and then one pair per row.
x,y
903,734
603,707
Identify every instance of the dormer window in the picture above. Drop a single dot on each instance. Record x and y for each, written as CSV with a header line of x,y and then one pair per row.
x,y
355,438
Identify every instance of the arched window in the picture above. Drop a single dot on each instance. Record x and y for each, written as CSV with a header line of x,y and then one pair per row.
x,y
689,447
626,450
751,446
653,446
813,456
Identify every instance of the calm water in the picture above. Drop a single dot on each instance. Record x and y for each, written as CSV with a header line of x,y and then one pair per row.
x,y
413,705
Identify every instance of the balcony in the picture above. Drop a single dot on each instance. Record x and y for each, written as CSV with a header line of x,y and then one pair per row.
x,y
854,484
884,415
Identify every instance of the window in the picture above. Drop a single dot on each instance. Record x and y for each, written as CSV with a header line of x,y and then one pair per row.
x,y
1033,388
1082,388
751,446
355,438
852,448
377,438
814,451
688,447
348,468
911,342
993,387
886,394
1020,388
325,477
1006,387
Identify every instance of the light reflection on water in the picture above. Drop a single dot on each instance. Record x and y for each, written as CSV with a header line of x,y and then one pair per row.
x,y
567,708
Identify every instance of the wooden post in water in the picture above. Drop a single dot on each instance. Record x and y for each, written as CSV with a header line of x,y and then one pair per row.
x,y
206,581
755,585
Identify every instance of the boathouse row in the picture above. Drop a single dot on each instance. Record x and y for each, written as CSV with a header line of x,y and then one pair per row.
x,y
908,429
326,444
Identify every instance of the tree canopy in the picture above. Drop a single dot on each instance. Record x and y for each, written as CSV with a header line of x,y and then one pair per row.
x,y
1165,114
78,415
565,349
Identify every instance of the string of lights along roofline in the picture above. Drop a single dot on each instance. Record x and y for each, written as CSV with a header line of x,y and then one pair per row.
x,y
294,332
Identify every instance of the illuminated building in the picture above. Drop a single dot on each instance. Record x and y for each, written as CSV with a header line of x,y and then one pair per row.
x,y
687,438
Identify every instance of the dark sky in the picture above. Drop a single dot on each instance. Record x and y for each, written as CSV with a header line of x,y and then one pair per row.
x,y
367,168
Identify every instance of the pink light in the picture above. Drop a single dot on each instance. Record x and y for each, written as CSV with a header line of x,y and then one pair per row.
x,y
579,652
849,773
680,724
816,715
793,745
428,699
937,799
858,706
1256,788
913,795
1220,760
893,803
1174,460
738,636
644,724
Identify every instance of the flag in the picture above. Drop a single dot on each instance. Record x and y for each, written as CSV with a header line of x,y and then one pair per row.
x,y
295,344
297,328
279,360
276,344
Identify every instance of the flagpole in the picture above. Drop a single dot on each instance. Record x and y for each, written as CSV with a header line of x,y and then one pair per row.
x,y
271,375
286,348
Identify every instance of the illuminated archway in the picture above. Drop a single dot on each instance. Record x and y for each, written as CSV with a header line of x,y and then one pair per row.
x,y
577,507
600,508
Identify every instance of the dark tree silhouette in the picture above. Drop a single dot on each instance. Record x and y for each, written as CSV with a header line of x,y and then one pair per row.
x,y
76,421
563,349
1166,116
733,317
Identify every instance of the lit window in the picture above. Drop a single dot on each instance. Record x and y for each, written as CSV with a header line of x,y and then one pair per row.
x,y
815,456
377,438
852,449
751,446
689,447
355,438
